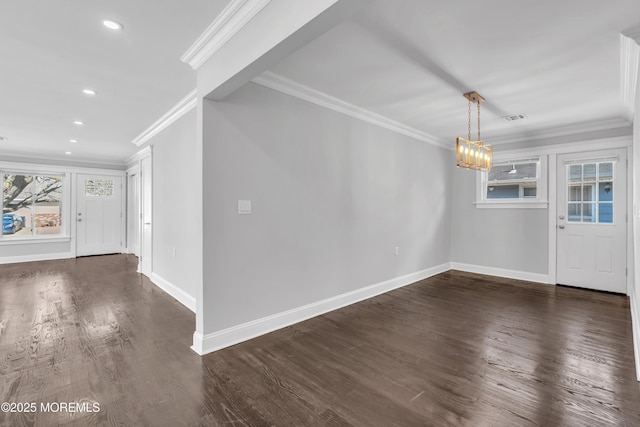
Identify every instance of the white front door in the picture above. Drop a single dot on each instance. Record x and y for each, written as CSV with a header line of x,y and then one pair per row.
x,y
99,215
592,224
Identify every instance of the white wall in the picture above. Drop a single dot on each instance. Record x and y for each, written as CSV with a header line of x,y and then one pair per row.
x,y
510,239
332,197
635,289
175,220
41,250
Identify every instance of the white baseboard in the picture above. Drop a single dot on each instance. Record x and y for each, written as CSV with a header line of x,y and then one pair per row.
x,y
177,293
501,272
246,331
40,257
635,326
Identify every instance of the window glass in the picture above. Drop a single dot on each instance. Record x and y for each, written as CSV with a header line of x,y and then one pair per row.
x,y
47,205
588,212
575,173
503,192
514,180
31,204
605,213
530,191
605,171
575,193
513,171
574,212
99,187
592,184
589,172
605,191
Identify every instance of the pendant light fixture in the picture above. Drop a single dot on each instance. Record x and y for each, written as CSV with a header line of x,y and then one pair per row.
x,y
470,154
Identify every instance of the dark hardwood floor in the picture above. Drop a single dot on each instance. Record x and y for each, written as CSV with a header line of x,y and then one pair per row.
x,y
454,350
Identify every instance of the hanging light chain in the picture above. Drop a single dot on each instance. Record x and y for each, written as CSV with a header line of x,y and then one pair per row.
x,y
479,120
469,123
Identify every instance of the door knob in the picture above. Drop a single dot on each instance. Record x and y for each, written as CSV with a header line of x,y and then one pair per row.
x,y
561,227
79,219
561,217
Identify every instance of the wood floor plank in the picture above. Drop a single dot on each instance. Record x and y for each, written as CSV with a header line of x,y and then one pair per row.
x,y
457,349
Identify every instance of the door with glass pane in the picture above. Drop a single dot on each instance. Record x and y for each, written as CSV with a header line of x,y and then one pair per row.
x,y
99,215
591,222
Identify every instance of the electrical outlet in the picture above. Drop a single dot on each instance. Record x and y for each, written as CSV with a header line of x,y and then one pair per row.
x,y
397,250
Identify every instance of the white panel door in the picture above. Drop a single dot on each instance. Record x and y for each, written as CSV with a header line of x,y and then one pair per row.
x,y
99,215
592,220
133,213
146,197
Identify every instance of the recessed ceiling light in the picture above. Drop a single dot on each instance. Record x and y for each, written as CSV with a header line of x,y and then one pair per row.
x,y
67,152
75,141
78,122
89,91
112,25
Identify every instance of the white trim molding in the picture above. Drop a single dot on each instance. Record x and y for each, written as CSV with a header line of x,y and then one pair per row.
x,y
572,129
290,87
570,147
506,204
232,19
181,296
553,210
183,106
501,272
39,158
133,161
629,59
635,326
38,257
246,331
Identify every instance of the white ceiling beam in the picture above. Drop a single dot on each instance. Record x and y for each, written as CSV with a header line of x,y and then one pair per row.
x,y
252,35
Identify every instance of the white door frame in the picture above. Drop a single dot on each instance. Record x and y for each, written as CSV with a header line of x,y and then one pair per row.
x,y
611,143
145,228
133,210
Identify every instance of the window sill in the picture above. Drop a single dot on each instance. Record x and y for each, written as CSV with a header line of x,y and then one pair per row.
x,y
512,204
8,241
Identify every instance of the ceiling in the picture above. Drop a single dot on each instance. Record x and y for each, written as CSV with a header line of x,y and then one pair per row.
x,y
558,62
53,49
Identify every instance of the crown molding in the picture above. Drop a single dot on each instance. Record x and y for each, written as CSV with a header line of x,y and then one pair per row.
x,y
629,59
132,160
573,129
40,159
232,19
183,106
298,90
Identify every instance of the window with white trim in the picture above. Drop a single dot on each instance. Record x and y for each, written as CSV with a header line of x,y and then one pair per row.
x,y
32,205
514,183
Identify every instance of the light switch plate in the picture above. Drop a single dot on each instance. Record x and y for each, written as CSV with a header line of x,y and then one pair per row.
x,y
244,207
